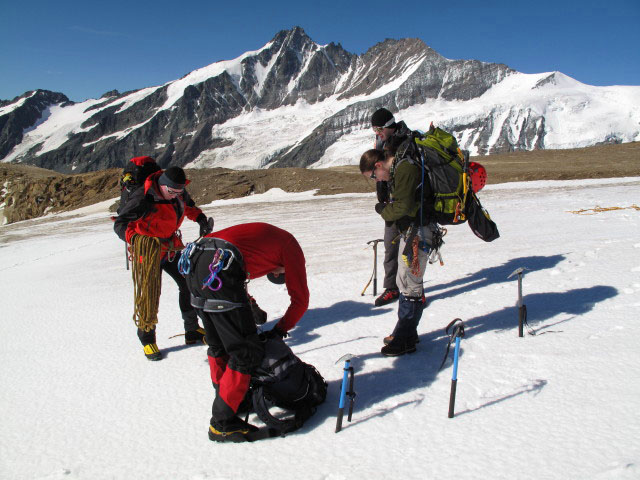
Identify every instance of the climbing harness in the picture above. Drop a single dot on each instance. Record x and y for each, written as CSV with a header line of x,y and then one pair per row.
x,y
171,252
416,241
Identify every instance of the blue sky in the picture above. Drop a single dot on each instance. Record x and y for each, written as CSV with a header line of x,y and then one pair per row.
x,y
84,49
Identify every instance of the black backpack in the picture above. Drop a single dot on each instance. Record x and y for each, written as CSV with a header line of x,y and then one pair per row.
x,y
133,176
284,390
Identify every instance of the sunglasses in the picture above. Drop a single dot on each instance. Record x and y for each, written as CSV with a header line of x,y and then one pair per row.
x,y
378,129
373,173
174,192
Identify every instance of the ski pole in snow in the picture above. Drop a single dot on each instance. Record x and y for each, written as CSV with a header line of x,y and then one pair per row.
x,y
522,308
456,334
347,378
374,275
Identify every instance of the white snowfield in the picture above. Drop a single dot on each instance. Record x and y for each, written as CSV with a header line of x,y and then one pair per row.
x,y
78,399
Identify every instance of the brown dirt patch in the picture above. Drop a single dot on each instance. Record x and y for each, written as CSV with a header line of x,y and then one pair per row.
x,y
31,192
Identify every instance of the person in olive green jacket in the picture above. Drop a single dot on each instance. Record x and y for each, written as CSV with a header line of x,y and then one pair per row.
x,y
404,178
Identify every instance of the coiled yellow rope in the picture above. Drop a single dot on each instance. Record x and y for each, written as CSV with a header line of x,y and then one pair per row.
x,y
147,281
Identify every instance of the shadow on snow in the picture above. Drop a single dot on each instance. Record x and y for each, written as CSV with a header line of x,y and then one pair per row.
x,y
411,372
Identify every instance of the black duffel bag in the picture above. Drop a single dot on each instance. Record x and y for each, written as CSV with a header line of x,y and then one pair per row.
x,y
479,220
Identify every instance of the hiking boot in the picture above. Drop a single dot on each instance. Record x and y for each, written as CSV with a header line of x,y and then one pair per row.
x,y
397,348
389,295
151,352
231,430
194,336
389,339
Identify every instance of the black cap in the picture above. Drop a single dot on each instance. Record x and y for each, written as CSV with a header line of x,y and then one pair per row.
x,y
173,177
382,118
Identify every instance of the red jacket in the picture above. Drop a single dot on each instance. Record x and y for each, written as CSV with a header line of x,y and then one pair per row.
x,y
150,214
265,248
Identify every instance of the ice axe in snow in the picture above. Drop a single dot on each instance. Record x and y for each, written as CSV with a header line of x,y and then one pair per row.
x,y
522,308
457,333
374,274
347,378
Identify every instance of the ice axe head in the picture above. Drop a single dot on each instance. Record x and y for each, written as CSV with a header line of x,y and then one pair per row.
x,y
457,328
345,358
517,271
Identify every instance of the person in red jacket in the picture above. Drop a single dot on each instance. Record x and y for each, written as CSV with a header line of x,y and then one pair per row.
x,y
157,210
220,266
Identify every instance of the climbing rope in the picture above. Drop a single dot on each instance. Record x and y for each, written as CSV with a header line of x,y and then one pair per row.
x,y
147,281
593,211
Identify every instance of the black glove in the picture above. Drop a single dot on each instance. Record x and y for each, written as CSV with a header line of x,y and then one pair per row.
x,y
379,207
206,224
259,315
276,331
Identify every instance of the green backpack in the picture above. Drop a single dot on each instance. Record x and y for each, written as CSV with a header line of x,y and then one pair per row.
x,y
445,168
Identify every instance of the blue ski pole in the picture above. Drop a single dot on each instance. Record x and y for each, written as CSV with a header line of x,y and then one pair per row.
x,y
347,382
457,333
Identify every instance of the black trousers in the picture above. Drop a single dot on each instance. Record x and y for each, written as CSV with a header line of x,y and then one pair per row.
x,y
235,349
189,315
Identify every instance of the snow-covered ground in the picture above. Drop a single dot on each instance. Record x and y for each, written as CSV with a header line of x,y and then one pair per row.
x,y
78,400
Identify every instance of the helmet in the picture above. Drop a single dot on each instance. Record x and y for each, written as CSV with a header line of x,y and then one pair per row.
x,y
478,176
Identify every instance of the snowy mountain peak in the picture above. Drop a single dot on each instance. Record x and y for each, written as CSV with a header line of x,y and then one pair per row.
x,y
293,102
296,39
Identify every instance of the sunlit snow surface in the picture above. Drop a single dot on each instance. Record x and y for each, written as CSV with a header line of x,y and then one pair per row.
x,y
79,400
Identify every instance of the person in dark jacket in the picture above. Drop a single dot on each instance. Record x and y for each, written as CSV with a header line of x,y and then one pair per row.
x,y
389,136
157,209
404,178
221,264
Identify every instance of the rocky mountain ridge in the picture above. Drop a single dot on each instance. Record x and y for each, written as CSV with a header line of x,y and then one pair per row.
x,y
294,103
31,192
